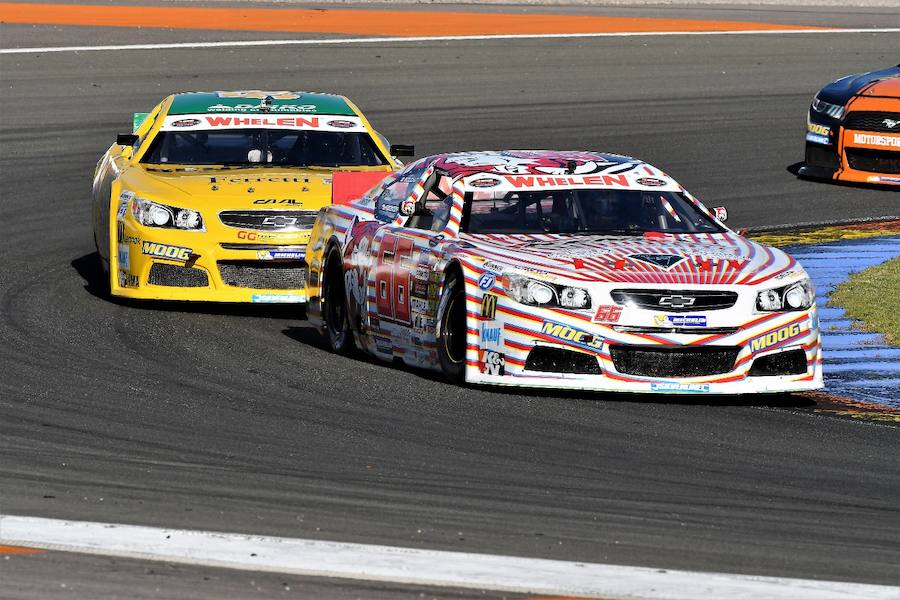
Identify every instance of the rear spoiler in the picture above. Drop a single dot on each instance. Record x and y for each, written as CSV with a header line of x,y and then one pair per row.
x,y
349,186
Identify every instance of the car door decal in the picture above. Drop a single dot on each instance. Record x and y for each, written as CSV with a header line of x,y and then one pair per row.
x,y
393,277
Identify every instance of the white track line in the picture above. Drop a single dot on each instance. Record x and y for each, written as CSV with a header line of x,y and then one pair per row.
x,y
420,567
428,38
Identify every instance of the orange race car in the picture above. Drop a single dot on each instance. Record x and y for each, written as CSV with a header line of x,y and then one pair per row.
x,y
853,129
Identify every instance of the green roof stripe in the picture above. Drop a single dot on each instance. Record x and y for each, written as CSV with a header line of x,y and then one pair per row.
x,y
283,103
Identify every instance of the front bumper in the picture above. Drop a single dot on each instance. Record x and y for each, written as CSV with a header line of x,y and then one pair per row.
x,y
770,353
859,149
169,264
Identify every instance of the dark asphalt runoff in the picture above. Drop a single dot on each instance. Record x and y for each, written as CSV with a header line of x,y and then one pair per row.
x,y
237,419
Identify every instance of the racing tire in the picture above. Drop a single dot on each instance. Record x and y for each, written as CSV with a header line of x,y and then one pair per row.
x,y
334,306
451,331
104,286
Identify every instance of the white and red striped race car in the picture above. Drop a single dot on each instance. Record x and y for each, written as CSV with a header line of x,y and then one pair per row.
x,y
574,270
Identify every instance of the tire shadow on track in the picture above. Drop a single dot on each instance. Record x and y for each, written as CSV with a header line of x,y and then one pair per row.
x,y
310,337
88,268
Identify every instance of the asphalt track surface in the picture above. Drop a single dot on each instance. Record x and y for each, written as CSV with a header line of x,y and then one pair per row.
x,y
237,419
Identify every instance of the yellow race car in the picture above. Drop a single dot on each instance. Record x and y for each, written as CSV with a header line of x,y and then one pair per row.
x,y
214,194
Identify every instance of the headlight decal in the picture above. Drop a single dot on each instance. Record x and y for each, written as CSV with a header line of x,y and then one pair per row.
x,y
799,295
534,292
835,111
153,214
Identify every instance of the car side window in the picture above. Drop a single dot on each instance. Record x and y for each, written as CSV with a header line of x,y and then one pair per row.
x,y
433,212
387,205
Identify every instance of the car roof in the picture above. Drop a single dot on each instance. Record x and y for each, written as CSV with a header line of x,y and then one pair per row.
x,y
507,162
283,102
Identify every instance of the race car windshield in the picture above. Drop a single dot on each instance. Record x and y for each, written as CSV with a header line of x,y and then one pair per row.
x,y
265,147
590,211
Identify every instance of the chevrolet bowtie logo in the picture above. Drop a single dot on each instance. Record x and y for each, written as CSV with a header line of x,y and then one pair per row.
x,y
677,301
280,221
890,123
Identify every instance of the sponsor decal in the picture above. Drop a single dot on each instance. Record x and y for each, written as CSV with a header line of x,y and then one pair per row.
x,y
489,306
680,388
651,181
494,266
243,121
680,320
407,207
883,179
260,94
775,337
869,139
522,181
124,256
817,139
663,261
422,272
487,281
121,236
788,273
608,313
386,211
242,108
554,250
127,280
418,305
570,335
280,254
309,122
291,201
422,323
124,198
493,363
818,129
243,234
264,180
278,298
384,345
490,335
721,213
484,182
165,251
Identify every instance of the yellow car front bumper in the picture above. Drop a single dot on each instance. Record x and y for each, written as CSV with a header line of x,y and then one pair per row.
x,y
229,266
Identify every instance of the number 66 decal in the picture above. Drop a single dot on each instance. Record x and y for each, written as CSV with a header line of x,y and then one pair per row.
x,y
393,277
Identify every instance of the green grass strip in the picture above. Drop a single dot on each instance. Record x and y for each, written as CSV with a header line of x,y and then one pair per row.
x,y
871,297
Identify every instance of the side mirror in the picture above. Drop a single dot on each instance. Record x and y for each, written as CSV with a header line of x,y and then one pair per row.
x,y
126,139
402,150
721,213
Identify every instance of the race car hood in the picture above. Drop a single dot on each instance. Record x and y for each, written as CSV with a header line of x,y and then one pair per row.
x,y
840,91
885,88
649,259
230,189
